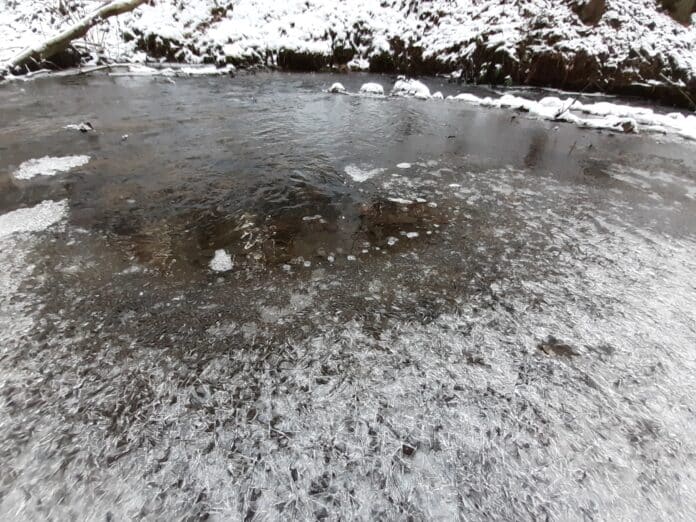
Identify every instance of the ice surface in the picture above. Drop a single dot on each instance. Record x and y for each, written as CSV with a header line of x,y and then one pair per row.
x,y
48,166
405,383
33,219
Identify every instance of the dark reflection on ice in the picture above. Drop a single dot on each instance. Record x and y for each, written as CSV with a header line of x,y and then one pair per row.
x,y
503,329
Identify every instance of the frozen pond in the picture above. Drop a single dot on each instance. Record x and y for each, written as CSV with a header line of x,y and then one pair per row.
x,y
248,299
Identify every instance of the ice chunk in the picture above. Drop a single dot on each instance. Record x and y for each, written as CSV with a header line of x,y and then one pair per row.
x,y
401,201
221,262
605,115
337,88
49,166
358,174
466,97
408,87
33,219
372,88
83,127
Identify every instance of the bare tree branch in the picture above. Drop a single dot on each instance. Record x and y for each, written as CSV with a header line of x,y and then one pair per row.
x,y
60,42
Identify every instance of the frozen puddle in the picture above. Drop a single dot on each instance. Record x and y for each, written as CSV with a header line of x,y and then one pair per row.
x,y
33,219
48,166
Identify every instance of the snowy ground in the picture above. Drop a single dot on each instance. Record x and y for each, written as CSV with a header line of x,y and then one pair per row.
x,y
390,354
633,48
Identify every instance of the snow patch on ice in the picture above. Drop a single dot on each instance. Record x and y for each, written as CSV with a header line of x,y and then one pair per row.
x,y
221,262
48,166
33,219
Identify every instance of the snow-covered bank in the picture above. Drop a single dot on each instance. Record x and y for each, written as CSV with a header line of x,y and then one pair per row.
x,y
615,46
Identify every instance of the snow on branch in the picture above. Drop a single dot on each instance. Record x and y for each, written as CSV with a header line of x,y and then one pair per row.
x,y
60,42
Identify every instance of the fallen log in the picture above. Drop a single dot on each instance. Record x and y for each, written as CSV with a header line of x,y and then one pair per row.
x,y
60,42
